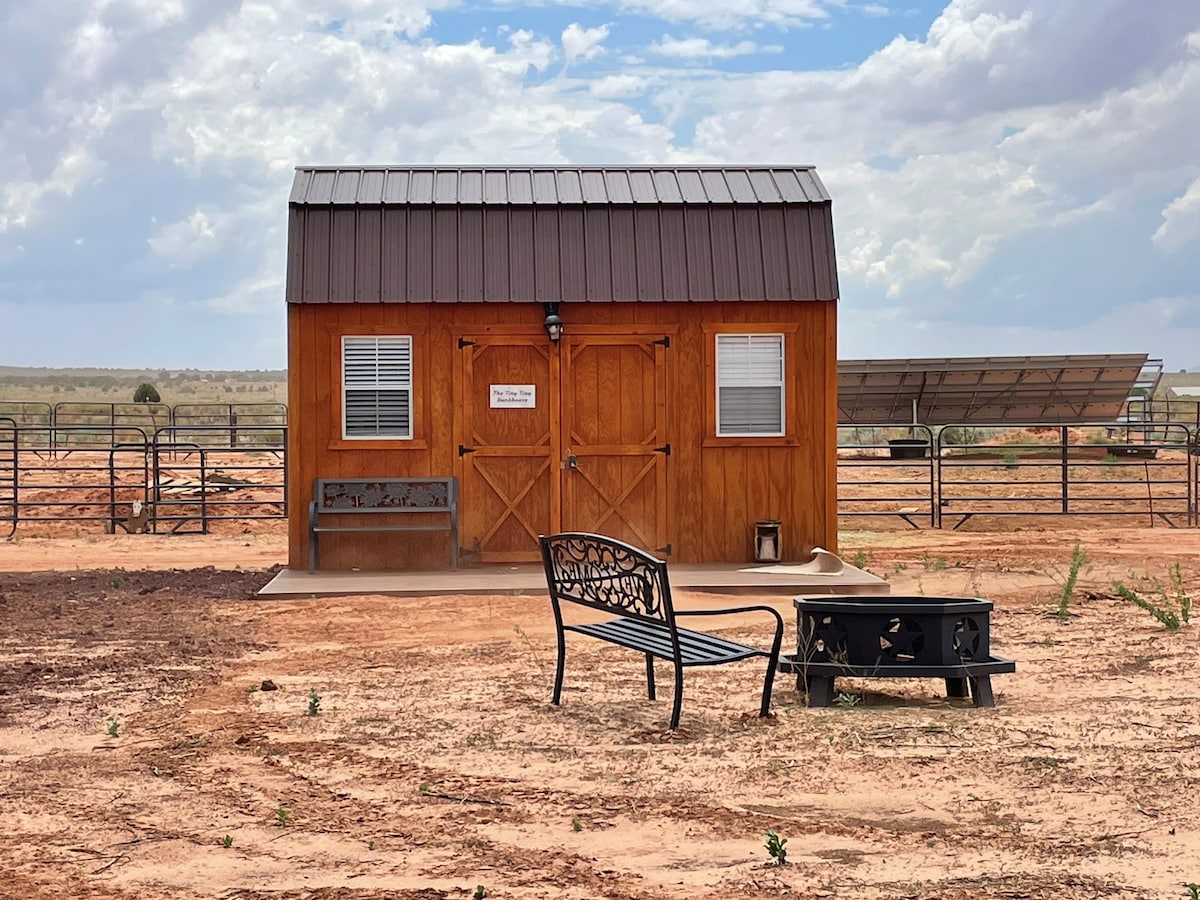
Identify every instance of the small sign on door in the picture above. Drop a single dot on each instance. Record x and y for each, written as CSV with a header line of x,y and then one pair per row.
x,y
514,396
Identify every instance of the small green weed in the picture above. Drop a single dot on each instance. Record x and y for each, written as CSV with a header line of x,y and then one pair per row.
x,y
1165,615
847,701
777,847
116,582
860,559
314,703
282,816
480,892
114,726
1193,891
900,567
1181,595
576,825
371,845
227,841
933,563
1078,558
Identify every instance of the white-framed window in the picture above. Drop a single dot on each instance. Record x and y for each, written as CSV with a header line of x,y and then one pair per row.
x,y
377,387
750,393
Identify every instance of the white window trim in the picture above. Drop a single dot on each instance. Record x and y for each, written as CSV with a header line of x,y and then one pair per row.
x,y
781,384
378,386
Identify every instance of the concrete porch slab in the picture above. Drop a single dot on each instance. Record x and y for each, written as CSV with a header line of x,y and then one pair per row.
x,y
529,579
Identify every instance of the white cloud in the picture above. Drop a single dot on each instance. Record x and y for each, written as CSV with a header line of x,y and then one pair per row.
x,y
725,14
976,161
262,293
1018,143
183,243
702,48
1136,327
581,43
617,86
1181,220
21,198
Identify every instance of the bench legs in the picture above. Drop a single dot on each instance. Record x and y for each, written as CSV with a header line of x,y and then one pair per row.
x,y
653,694
678,707
768,683
558,672
651,687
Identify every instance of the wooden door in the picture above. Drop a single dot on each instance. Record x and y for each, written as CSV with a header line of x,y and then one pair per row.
x,y
509,446
615,441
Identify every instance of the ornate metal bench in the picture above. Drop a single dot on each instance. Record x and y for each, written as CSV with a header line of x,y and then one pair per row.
x,y
608,575
358,496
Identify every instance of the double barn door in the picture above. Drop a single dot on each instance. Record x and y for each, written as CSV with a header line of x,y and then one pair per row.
x,y
561,437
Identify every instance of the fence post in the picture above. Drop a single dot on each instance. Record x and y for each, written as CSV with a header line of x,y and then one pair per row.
x,y
1063,433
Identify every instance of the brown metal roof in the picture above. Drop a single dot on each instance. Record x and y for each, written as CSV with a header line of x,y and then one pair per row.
x,y
557,186
988,390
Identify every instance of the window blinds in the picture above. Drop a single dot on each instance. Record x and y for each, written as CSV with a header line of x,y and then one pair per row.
x,y
377,386
750,384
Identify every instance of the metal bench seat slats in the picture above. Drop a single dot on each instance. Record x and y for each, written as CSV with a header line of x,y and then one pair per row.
x,y
695,647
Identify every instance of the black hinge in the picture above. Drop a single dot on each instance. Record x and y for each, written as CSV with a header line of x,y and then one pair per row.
x,y
665,449
463,451
665,342
665,551
463,342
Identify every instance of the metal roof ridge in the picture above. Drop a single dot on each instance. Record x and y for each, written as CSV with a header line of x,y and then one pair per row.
x,y
545,167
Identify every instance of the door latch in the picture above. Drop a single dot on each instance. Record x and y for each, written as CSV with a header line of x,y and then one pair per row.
x,y
572,462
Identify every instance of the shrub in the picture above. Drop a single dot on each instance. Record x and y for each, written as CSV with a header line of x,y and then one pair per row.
x,y
146,393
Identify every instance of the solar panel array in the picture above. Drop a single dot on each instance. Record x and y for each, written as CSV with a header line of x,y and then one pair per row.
x,y
989,390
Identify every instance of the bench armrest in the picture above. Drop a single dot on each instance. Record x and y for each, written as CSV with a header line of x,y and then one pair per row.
x,y
313,514
775,644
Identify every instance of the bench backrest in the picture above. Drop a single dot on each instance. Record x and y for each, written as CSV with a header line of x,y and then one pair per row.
x,y
366,495
606,574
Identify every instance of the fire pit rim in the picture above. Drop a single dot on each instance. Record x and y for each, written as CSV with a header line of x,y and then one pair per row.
x,y
898,604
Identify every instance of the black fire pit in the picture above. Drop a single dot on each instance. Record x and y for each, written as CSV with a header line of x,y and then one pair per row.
x,y
884,636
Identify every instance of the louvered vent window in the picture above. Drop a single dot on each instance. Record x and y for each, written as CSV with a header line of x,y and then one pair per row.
x,y
750,385
377,387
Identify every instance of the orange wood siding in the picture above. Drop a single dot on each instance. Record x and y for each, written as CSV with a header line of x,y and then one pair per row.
x,y
715,488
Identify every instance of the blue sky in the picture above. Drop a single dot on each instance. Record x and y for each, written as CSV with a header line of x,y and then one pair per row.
x,y
1009,176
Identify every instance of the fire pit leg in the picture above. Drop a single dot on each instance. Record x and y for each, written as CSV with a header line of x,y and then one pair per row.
x,y
957,687
820,690
981,690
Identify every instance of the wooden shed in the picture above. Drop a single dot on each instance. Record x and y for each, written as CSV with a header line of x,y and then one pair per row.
x,y
689,393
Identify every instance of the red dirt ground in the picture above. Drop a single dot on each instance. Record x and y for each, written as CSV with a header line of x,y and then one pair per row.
x,y
140,756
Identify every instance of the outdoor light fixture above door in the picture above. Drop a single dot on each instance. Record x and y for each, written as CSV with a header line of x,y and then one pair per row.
x,y
552,323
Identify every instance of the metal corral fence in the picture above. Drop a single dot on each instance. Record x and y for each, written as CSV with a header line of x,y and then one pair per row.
x,y
185,478
243,423
73,425
34,420
945,478
174,479
8,475
888,472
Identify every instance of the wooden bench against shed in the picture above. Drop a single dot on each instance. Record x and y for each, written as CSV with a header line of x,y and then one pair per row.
x,y
613,577
436,499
